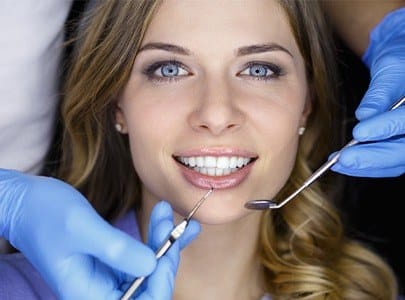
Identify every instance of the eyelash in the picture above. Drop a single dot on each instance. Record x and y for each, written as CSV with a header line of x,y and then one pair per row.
x,y
150,71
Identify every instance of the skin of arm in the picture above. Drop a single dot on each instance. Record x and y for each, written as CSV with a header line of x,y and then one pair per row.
x,y
353,20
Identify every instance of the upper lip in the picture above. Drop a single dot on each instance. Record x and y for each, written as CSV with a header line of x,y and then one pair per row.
x,y
216,151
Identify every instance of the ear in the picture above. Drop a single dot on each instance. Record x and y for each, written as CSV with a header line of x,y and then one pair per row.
x,y
307,108
120,119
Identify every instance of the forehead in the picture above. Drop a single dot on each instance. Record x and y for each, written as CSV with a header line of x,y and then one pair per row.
x,y
210,23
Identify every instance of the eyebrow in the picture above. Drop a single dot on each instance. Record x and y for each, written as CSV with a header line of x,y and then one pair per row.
x,y
261,48
166,47
246,50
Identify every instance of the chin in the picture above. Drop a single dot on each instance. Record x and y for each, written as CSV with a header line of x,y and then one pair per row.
x,y
210,214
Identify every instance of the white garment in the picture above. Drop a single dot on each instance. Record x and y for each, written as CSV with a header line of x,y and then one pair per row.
x,y
31,35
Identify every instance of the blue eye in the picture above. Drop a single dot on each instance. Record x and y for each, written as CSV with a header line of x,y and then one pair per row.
x,y
169,70
166,70
259,70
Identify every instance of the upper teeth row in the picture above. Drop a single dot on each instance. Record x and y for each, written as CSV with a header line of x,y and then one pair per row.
x,y
223,162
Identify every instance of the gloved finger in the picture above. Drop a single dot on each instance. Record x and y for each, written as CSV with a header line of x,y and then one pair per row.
x,y
382,126
160,284
374,173
173,254
164,275
386,87
380,159
94,236
191,232
160,224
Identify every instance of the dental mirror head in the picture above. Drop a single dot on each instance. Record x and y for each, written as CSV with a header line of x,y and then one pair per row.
x,y
261,204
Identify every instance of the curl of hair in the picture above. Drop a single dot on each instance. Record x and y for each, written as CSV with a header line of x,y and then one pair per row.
x,y
303,246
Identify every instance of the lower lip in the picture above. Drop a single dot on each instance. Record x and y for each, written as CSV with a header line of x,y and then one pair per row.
x,y
217,182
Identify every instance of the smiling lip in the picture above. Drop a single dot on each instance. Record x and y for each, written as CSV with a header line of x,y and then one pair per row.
x,y
227,180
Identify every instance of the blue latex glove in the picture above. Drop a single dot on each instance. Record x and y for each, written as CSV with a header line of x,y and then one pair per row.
x,y
79,254
385,57
159,286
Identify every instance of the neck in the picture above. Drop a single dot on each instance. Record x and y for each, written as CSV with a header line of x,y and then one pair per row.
x,y
222,263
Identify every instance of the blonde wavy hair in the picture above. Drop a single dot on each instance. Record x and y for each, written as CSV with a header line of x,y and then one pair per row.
x,y
303,247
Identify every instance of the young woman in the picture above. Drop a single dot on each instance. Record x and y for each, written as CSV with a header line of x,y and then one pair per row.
x,y
164,100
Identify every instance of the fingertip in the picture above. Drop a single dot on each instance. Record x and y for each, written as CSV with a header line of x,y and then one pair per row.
x,y
163,203
374,101
365,112
360,133
332,155
346,163
348,159
161,211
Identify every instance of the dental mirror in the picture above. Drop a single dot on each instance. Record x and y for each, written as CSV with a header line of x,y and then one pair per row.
x,y
270,204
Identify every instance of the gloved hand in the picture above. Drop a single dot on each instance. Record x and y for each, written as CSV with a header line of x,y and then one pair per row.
x,y
159,286
79,254
385,57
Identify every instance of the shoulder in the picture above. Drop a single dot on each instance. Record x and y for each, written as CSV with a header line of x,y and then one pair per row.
x,y
19,279
128,223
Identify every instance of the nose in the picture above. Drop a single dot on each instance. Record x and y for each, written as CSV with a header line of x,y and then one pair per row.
x,y
216,111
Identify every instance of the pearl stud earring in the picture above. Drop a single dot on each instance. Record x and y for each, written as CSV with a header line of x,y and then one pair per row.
x,y
301,130
118,127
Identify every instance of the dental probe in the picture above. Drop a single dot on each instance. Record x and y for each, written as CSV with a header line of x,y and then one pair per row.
x,y
270,204
175,234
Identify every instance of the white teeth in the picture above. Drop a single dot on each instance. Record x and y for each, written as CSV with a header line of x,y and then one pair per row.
x,y
215,166
199,162
223,162
210,162
232,162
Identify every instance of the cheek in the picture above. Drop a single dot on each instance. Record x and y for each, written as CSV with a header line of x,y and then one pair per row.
x,y
146,139
151,130
142,149
278,142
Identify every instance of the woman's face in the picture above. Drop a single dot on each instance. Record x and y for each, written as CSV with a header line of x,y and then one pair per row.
x,y
215,98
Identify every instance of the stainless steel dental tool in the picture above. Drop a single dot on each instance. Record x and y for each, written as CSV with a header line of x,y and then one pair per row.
x,y
270,204
175,234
